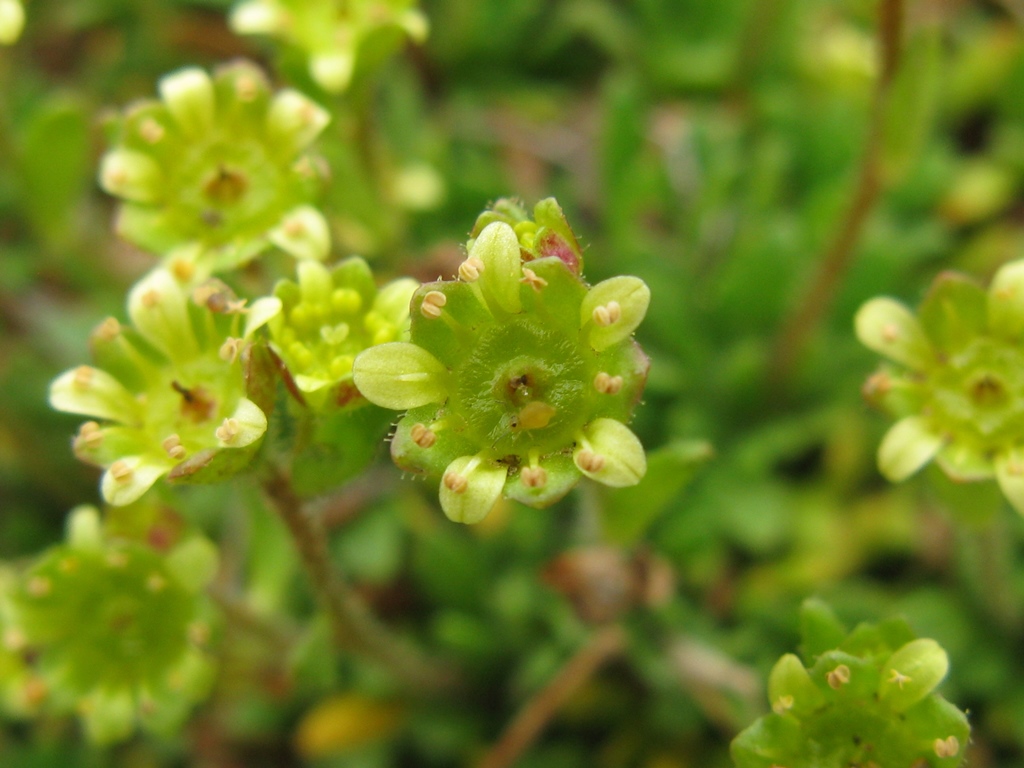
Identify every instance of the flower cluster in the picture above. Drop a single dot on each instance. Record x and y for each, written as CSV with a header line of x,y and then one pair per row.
x,y
518,377
329,33
111,629
958,390
214,172
327,318
172,392
867,698
12,21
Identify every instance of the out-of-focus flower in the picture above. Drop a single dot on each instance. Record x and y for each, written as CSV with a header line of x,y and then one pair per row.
x,y
215,171
114,628
172,393
519,378
958,384
329,32
12,21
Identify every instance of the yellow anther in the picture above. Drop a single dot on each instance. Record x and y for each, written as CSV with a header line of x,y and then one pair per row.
x,y
531,279
534,415
422,435
589,461
151,131
946,747
39,586
294,227
108,330
782,705
470,269
14,640
890,333
84,376
246,88
455,482
607,314
89,436
228,431
156,583
151,298
121,472
838,677
432,303
898,677
172,444
231,349
183,269
607,384
35,690
534,477
117,559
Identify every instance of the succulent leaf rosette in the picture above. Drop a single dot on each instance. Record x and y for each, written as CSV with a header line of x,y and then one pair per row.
x,y
866,699
958,390
327,318
182,393
328,32
115,628
518,377
216,171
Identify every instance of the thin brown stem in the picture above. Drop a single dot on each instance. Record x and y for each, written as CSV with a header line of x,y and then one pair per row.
x,y
536,713
838,254
355,628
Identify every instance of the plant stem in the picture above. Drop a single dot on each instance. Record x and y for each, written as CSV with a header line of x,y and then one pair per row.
x,y
355,628
809,313
536,713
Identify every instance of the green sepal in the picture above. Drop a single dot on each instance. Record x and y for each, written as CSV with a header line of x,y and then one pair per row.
x,y
770,741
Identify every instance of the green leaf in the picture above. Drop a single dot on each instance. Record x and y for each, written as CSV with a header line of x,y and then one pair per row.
x,y
629,512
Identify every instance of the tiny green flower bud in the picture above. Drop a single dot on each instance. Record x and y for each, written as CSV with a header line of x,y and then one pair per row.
x,y
912,672
84,530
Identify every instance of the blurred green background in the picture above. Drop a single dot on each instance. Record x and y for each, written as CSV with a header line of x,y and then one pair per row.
x,y
711,148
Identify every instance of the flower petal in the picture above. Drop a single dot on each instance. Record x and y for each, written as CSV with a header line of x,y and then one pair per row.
x,y
188,94
906,447
158,308
244,427
613,309
1010,475
303,233
1006,301
128,478
92,392
294,121
498,248
400,375
333,71
260,313
889,328
131,175
394,298
257,17
610,453
470,487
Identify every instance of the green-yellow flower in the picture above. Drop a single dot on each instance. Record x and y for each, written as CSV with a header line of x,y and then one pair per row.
x,y
215,171
957,386
170,394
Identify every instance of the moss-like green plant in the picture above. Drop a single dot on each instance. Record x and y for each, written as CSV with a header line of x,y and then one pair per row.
x,y
329,33
958,384
215,171
114,627
867,698
519,378
172,392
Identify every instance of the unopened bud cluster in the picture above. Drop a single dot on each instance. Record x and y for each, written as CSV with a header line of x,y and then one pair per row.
x,y
518,378
327,318
215,171
869,700
957,386
110,629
